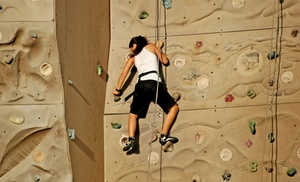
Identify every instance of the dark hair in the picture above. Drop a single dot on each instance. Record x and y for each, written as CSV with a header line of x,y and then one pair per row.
x,y
140,42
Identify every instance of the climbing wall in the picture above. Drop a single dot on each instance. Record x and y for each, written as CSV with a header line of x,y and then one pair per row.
x,y
33,137
234,65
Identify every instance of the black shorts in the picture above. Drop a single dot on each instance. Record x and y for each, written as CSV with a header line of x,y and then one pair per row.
x,y
145,93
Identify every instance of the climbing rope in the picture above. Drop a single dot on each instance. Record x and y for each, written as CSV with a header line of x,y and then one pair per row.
x,y
157,38
272,158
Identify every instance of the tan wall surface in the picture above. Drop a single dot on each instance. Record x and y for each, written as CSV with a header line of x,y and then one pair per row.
x,y
83,40
33,135
217,50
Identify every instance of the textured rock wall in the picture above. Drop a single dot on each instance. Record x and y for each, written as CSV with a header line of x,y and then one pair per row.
x,y
33,137
238,117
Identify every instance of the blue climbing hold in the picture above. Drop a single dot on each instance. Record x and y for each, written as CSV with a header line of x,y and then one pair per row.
x,y
167,4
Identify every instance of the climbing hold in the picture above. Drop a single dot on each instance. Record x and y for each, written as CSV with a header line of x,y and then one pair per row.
x,y
71,133
238,3
116,125
117,98
251,94
199,138
38,156
269,169
291,172
271,83
99,70
294,33
143,15
70,82
46,69
203,83
253,166
226,176
16,119
123,140
176,97
248,143
271,137
229,98
226,154
298,152
287,77
153,157
180,61
33,35
168,147
196,178
272,55
167,3
252,124
37,178
7,59
199,44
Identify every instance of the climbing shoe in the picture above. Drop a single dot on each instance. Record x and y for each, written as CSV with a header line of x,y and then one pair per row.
x,y
129,144
167,138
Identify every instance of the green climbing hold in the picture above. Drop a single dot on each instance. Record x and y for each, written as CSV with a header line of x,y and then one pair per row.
x,y
251,93
272,55
116,125
291,172
252,124
271,137
143,15
253,166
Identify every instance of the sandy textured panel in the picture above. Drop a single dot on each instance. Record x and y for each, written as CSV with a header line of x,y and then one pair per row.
x,y
204,69
30,70
211,142
26,10
194,16
232,63
35,147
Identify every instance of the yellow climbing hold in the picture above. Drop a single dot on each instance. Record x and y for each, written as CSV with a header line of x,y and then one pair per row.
x,y
16,119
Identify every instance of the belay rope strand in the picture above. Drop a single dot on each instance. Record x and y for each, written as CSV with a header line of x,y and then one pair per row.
x,y
272,157
157,37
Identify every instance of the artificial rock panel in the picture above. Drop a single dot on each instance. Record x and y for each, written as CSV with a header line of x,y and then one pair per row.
x,y
188,17
234,66
210,143
33,137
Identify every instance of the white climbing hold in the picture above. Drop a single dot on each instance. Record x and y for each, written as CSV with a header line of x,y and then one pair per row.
x,y
180,61
238,3
16,119
46,69
226,154
287,77
203,83
153,157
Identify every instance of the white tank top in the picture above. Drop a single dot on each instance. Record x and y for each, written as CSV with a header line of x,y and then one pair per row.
x,y
146,61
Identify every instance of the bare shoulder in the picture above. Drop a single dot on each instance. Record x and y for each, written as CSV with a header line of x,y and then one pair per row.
x,y
151,47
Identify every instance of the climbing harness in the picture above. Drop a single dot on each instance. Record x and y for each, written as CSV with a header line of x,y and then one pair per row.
x,y
140,76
